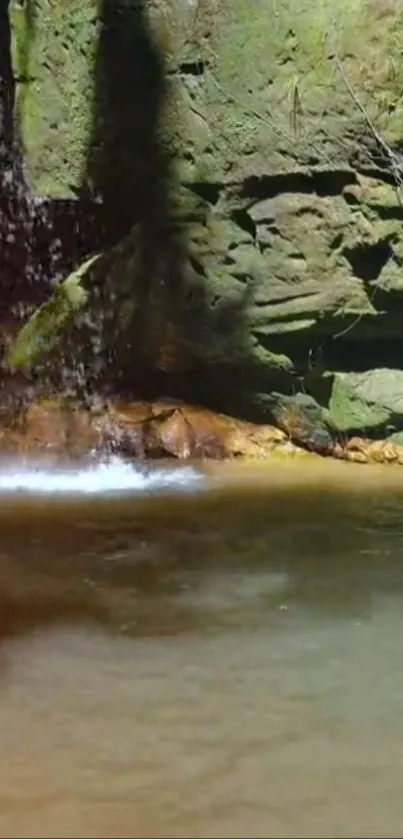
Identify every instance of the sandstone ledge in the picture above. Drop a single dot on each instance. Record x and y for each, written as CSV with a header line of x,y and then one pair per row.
x,y
58,430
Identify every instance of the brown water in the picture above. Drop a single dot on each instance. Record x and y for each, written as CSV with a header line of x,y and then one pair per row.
x,y
224,663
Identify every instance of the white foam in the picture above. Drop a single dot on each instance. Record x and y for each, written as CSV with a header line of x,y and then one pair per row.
x,y
116,475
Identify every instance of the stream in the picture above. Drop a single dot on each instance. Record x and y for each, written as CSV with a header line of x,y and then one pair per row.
x,y
203,651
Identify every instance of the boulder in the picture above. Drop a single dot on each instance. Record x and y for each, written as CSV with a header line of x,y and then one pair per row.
x,y
173,429
52,429
306,423
396,438
368,402
359,450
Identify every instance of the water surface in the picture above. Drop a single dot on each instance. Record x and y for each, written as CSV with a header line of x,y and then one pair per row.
x,y
205,654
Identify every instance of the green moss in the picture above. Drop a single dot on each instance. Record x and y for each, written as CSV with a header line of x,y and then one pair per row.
x,y
274,83
45,327
53,48
271,77
277,46
367,401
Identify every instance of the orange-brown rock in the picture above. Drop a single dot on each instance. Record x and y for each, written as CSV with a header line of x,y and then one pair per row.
x,y
51,427
172,429
166,428
372,451
156,430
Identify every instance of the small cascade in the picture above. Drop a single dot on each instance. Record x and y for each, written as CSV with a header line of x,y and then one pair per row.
x,y
114,476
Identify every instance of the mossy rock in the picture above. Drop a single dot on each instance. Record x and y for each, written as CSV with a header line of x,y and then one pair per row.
x,y
53,51
369,402
257,107
43,331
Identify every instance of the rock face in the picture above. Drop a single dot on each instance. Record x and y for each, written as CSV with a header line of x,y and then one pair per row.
x,y
259,147
57,430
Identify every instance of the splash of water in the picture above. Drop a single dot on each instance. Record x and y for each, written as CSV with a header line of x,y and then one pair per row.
x,y
113,476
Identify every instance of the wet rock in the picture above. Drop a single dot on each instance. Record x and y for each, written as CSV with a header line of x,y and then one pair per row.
x,y
170,429
58,430
372,451
185,435
51,428
43,329
305,422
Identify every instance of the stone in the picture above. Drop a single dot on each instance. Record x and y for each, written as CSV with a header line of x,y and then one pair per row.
x,y
173,429
54,60
396,438
303,420
370,451
59,430
52,429
368,401
269,215
45,327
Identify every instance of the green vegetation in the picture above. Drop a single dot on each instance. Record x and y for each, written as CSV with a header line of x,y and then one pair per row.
x,y
53,50
44,329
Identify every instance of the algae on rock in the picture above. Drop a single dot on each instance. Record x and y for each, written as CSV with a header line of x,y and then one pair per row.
x,y
54,59
44,330
269,113
371,400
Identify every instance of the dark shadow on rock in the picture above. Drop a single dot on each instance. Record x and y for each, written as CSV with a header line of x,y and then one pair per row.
x,y
183,340
14,197
40,239
126,165
132,170
129,166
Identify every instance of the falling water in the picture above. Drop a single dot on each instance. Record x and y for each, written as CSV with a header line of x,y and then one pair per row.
x,y
41,238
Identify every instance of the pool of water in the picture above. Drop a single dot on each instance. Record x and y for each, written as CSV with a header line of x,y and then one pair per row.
x,y
204,653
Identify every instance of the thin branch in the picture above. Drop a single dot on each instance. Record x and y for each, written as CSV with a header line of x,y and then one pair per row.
x,y
394,165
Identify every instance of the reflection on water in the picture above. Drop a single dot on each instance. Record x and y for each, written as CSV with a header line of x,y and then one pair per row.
x,y
216,663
